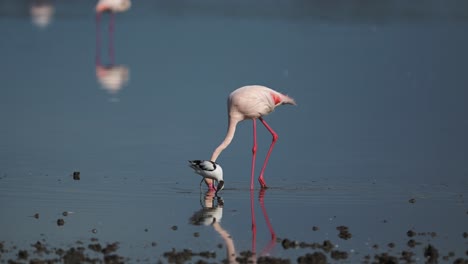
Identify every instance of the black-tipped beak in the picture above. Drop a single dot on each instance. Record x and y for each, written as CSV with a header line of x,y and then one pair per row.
x,y
220,186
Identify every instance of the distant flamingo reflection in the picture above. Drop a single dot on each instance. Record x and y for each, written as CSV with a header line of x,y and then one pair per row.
x,y
112,77
41,12
212,213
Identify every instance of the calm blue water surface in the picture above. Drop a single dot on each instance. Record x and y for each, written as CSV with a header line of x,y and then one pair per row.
x,y
381,119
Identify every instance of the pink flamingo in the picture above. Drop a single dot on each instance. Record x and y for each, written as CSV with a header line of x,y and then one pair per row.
x,y
113,5
251,102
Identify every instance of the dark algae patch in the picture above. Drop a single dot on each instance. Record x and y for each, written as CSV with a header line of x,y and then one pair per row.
x,y
325,251
344,232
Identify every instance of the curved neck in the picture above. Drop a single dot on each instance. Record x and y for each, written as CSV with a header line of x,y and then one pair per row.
x,y
227,140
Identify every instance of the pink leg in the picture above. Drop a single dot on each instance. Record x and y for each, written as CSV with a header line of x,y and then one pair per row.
x,y
111,38
254,225
98,39
254,153
275,138
272,243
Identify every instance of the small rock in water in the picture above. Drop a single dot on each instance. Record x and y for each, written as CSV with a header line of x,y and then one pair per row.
x,y
412,200
23,254
76,175
431,254
36,215
344,232
174,227
410,233
60,222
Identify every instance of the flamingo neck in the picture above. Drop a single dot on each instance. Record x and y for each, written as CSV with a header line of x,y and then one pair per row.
x,y
227,140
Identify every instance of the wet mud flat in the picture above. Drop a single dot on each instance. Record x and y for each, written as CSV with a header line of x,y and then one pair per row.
x,y
417,249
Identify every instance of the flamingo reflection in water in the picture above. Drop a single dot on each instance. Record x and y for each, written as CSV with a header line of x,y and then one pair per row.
x,y
41,12
112,77
212,213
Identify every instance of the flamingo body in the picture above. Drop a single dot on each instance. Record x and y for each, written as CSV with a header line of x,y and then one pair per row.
x,y
113,5
251,102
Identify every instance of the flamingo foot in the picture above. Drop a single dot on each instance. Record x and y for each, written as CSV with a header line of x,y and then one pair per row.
x,y
262,182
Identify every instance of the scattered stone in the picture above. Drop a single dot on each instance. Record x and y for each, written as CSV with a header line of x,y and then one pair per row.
x,y
178,257
110,248
174,227
339,255
196,234
315,258
36,215
74,255
23,254
315,228
113,259
94,230
465,235
153,244
412,200
40,248
344,232
95,247
411,243
410,233
286,243
60,222
385,258
407,256
327,246
245,257
431,254
272,260
76,175
460,261
65,213
207,254
391,245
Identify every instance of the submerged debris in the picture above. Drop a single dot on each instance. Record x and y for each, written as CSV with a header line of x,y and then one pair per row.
x,y
76,175
60,222
431,254
316,258
186,255
344,232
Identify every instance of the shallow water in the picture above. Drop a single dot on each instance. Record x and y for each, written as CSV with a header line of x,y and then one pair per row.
x,y
381,119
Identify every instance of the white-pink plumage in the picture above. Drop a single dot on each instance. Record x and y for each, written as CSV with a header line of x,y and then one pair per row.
x,y
251,102
113,5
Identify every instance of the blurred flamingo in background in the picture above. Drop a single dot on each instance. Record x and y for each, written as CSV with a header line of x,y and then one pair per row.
x,y
111,77
41,12
113,5
251,102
